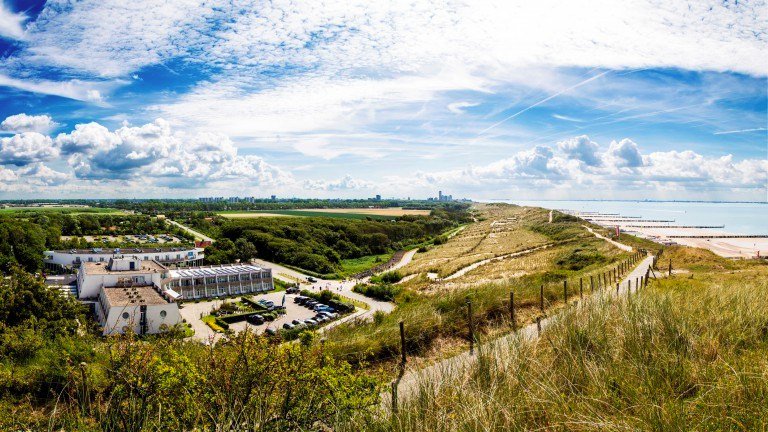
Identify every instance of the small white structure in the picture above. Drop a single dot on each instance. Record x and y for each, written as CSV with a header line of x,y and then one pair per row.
x,y
140,309
129,295
118,272
72,258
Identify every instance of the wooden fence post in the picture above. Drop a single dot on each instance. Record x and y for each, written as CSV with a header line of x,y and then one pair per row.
x,y
541,298
670,267
591,283
617,288
471,330
581,288
565,292
538,325
394,397
512,309
402,343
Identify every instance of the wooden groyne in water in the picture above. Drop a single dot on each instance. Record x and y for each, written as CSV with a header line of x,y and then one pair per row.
x,y
675,226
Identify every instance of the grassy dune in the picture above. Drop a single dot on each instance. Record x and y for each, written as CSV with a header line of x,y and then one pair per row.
x,y
688,353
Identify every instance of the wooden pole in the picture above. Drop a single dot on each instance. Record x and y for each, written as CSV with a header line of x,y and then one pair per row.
x,y
541,298
591,284
394,397
581,288
471,330
617,288
538,325
402,343
565,292
512,309
670,267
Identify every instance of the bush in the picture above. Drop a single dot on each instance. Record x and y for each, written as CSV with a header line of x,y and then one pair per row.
x,y
391,277
384,292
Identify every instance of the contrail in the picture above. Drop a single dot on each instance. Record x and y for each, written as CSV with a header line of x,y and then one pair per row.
x,y
549,98
739,131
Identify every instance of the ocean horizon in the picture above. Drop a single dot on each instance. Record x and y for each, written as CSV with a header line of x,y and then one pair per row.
x,y
738,217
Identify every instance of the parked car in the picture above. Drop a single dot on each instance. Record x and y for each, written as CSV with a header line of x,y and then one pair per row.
x,y
292,290
310,322
310,279
331,315
297,322
300,299
255,319
266,303
289,326
270,331
320,318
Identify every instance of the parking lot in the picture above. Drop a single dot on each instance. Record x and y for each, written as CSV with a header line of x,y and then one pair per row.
x,y
192,313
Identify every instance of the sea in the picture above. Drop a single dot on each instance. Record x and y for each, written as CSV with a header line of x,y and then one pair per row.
x,y
738,217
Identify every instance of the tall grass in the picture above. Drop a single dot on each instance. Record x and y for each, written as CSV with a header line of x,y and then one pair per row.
x,y
687,354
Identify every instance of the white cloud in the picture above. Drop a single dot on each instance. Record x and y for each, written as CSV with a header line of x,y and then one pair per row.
x,y
11,24
28,123
581,148
87,91
155,152
26,148
458,107
40,174
620,166
345,183
624,154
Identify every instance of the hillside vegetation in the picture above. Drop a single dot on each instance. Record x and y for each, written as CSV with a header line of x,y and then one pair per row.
x,y
687,353
320,244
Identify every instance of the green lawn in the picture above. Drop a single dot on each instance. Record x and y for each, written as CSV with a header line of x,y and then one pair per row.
x,y
357,265
312,213
16,211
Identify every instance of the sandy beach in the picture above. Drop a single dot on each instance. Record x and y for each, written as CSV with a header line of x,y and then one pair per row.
x,y
715,238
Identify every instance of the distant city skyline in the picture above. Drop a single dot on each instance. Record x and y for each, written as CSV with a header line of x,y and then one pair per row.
x,y
485,100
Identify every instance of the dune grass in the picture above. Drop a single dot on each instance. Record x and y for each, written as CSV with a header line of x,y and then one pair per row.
x,y
688,353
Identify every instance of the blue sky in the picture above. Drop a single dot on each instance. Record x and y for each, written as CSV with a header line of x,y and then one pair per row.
x,y
488,100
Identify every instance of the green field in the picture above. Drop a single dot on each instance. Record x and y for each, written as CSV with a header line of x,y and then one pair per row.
x,y
356,265
312,213
21,211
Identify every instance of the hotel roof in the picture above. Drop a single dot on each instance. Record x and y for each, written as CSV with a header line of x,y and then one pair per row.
x,y
198,272
134,296
126,251
103,268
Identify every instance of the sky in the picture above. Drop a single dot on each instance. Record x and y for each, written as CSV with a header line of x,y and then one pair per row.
x,y
645,99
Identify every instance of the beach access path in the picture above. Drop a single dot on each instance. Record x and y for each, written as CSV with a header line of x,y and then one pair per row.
x,y
621,246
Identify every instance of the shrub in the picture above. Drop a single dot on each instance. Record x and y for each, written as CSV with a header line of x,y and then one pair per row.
x,y
384,291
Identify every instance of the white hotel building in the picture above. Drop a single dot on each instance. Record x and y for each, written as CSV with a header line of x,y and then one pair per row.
x,y
141,295
173,256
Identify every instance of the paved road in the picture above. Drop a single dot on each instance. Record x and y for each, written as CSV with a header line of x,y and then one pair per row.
x,y
343,288
197,235
441,372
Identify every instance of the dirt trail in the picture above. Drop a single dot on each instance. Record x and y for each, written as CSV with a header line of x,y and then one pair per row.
x,y
443,371
462,271
621,246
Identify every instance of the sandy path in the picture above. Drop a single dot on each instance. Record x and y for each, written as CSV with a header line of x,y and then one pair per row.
x,y
442,372
621,246
464,270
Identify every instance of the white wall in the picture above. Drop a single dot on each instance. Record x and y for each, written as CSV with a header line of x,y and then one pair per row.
x,y
90,284
65,258
115,321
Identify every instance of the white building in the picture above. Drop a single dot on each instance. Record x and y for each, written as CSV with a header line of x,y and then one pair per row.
x,y
221,280
72,258
130,295
141,309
